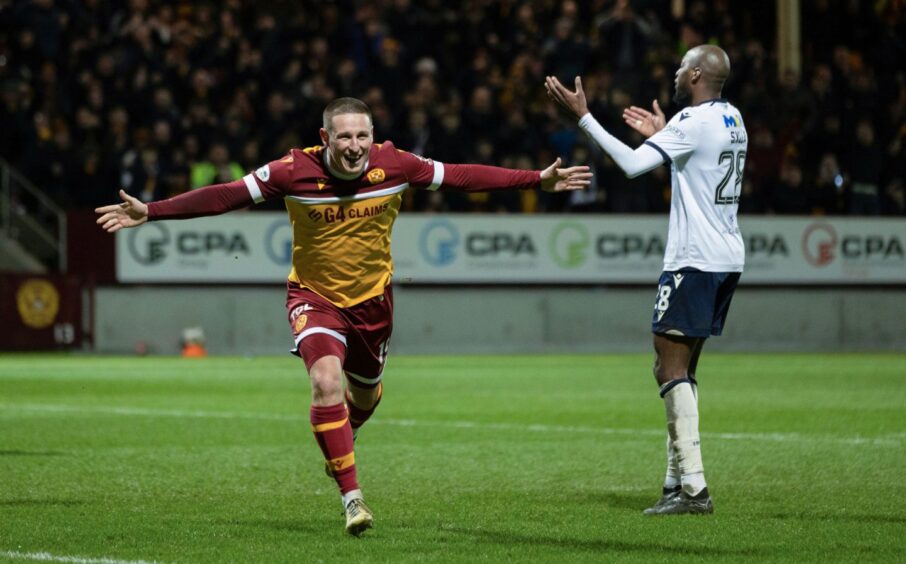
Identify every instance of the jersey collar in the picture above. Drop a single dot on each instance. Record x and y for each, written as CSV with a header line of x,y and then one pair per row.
x,y
334,172
712,101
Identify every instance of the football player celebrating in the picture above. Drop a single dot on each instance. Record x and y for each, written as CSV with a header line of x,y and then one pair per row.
x,y
342,197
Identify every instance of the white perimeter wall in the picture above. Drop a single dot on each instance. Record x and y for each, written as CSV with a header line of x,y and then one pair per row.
x,y
252,320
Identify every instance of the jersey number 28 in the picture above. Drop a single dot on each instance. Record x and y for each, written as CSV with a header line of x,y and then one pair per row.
x,y
735,163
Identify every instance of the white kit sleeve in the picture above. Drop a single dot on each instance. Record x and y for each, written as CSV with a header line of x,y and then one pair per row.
x,y
633,162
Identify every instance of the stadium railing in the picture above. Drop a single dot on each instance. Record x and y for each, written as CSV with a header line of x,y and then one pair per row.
x,y
31,219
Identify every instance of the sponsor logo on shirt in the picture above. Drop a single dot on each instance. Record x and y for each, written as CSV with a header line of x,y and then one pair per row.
x,y
732,121
684,115
300,310
376,176
337,214
263,173
322,182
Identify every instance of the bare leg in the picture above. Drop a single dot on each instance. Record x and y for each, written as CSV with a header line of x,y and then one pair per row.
x,y
361,401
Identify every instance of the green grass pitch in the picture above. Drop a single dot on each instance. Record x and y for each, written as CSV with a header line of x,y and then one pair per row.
x,y
468,459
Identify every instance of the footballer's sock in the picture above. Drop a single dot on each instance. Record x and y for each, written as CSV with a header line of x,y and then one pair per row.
x,y
330,424
672,479
351,495
682,426
357,415
694,383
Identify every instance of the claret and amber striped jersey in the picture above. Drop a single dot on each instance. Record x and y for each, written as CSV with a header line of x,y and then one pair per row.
x,y
341,228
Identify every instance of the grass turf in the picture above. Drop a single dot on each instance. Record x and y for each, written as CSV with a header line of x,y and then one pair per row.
x,y
468,459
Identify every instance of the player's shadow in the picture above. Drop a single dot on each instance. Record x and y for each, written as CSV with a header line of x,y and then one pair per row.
x,y
291,525
40,502
31,453
618,500
506,538
847,517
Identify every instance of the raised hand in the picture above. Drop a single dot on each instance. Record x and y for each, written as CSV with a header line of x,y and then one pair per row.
x,y
573,102
131,213
643,121
556,179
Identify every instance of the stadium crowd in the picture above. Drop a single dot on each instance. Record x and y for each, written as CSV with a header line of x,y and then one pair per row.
x,y
161,96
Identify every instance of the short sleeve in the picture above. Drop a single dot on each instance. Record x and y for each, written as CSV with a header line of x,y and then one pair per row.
x,y
271,180
678,139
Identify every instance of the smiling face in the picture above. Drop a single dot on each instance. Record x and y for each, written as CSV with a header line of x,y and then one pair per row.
x,y
348,141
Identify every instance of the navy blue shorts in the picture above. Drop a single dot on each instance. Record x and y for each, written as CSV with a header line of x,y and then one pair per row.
x,y
693,303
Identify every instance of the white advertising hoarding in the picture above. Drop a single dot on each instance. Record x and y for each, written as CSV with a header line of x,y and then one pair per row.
x,y
518,249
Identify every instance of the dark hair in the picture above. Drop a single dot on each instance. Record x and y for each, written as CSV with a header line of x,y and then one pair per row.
x,y
344,106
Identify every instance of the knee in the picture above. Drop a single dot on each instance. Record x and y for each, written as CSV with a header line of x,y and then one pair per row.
x,y
657,370
364,398
664,373
326,383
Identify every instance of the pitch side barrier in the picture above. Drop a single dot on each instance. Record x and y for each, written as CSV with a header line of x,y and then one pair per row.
x,y
551,250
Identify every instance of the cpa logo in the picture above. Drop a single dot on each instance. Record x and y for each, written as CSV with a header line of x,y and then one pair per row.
x,y
438,242
569,244
148,244
818,243
278,242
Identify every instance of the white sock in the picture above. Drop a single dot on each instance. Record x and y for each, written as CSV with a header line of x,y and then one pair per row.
x,y
682,426
672,479
351,495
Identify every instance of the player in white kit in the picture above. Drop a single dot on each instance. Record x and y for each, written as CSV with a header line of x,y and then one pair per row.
x,y
705,145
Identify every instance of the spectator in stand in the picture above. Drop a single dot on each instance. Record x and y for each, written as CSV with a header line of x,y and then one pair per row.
x,y
895,198
827,189
104,69
790,196
218,169
864,166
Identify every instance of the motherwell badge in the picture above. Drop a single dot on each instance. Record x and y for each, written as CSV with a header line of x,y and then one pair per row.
x,y
38,302
300,323
376,176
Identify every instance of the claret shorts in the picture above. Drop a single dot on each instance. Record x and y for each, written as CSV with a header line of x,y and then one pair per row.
x,y
359,335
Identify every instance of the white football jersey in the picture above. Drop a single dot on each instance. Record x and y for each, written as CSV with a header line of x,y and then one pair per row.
x,y
706,146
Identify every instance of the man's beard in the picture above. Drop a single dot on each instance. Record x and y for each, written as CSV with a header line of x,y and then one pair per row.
x,y
680,97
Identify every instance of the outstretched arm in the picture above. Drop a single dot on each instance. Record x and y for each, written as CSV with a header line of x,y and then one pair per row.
x,y
632,162
131,213
209,200
434,175
556,179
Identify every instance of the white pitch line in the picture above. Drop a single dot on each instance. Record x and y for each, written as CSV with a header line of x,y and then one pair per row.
x,y
47,557
891,440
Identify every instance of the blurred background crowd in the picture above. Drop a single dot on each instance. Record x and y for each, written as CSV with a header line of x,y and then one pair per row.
x,y
162,96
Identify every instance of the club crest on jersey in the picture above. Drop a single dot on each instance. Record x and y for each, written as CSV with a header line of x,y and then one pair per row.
x,y
300,323
376,175
263,173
